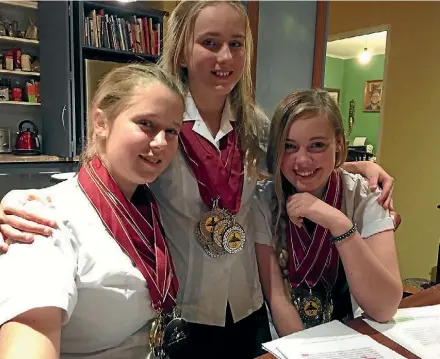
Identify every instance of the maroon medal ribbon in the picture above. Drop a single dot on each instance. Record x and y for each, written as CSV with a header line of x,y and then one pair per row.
x,y
313,257
137,228
219,172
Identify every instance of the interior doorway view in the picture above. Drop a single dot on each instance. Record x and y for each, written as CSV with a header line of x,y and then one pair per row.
x,y
354,75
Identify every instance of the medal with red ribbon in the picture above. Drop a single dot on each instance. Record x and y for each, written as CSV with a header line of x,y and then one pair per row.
x,y
313,258
136,226
220,177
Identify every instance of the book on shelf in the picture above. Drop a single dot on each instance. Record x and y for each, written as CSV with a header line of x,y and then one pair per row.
x,y
132,33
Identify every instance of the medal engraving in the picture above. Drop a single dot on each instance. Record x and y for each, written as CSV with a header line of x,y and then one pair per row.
x,y
209,220
234,238
175,336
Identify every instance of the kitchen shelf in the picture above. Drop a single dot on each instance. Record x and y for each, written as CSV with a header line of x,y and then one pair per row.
x,y
20,73
11,158
19,103
26,4
19,40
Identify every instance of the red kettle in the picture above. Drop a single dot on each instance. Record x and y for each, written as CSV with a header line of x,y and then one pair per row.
x,y
27,138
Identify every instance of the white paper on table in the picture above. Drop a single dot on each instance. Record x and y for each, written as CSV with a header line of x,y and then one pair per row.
x,y
420,336
321,333
357,347
429,311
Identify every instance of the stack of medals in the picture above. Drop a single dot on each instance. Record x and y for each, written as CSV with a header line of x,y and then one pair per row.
x,y
220,177
313,307
309,260
219,233
168,334
137,228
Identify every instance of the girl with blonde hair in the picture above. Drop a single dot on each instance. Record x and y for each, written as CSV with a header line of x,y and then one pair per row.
x,y
105,275
207,194
335,243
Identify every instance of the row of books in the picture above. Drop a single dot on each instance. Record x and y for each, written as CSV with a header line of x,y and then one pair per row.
x,y
135,34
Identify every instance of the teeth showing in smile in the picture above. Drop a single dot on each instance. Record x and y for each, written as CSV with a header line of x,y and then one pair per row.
x,y
223,74
305,174
152,160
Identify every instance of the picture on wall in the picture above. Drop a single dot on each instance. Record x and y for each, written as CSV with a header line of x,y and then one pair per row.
x,y
334,93
372,96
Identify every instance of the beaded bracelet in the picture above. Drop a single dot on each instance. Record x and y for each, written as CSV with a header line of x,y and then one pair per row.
x,y
347,234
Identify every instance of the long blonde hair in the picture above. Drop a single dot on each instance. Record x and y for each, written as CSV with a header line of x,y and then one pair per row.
x,y
252,122
300,104
116,90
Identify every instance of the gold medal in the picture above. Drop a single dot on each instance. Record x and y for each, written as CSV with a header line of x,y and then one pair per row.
x,y
209,220
214,251
156,333
234,238
219,230
201,238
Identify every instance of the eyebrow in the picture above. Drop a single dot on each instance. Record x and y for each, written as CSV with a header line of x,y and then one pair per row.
x,y
318,138
311,139
217,34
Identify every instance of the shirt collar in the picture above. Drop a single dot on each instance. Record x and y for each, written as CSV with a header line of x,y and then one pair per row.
x,y
192,113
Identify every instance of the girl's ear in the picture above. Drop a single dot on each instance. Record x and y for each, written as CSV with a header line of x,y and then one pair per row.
x,y
101,126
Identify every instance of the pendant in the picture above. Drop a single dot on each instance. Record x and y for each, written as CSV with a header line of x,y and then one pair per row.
x,y
209,220
234,238
175,336
219,230
200,237
156,336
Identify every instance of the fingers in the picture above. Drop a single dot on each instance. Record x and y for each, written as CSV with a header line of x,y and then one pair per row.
x,y
3,248
17,235
18,224
297,221
292,211
372,183
387,193
11,213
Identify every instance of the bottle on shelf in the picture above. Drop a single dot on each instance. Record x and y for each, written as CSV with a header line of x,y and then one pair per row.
x,y
17,93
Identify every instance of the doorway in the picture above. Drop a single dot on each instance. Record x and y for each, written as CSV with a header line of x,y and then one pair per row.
x,y
355,77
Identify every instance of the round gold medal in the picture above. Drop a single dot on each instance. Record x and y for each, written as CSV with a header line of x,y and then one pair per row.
x,y
204,240
209,220
310,308
219,230
234,238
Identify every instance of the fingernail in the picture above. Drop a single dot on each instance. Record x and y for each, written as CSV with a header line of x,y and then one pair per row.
x,y
47,231
29,237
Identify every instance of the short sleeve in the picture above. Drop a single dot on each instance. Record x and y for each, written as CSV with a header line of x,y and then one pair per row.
x,y
39,274
261,215
362,206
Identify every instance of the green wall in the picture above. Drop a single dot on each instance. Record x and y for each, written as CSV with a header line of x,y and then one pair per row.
x,y
350,76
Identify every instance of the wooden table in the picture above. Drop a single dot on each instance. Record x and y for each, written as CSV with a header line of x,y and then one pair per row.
x,y
426,297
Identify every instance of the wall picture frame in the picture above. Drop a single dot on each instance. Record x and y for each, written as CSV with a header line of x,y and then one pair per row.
x,y
372,96
334,93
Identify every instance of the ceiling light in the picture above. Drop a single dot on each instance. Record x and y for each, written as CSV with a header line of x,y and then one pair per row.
x,y
365,56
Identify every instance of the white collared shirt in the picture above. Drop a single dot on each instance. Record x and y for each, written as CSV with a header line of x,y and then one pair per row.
x,y
359,204
82,270
208,284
